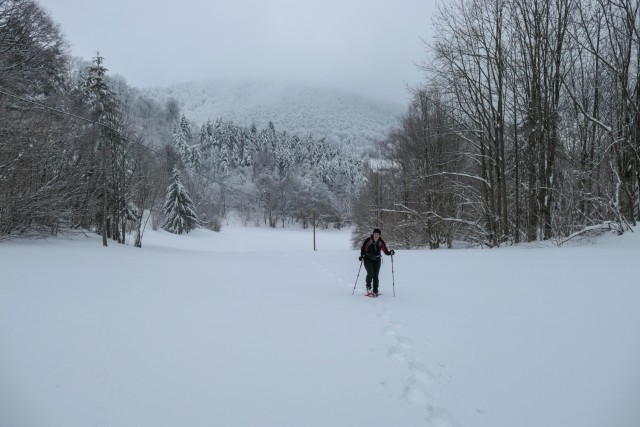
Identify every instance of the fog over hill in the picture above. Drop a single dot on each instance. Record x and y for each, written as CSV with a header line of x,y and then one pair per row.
x,y
338,116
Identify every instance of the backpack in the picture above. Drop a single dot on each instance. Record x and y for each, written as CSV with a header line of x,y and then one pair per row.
x,y
378,246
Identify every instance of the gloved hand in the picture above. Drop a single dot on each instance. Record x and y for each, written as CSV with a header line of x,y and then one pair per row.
x,y
392,252
360,258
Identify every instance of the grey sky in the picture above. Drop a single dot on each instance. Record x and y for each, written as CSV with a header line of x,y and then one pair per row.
x,y
367,46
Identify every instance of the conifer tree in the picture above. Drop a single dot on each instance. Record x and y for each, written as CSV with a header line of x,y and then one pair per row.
x,y
103,105
182,138
179,210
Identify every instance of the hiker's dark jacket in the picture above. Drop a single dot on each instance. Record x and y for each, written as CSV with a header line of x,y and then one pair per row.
x,y
371,249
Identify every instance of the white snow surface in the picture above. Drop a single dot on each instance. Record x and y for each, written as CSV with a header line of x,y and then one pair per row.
x,y
251,327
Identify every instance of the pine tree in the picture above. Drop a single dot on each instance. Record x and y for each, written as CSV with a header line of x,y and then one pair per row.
x,y
103,105
182,138
179,210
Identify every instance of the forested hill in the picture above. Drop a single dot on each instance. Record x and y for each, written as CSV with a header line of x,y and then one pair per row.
x,y
337,116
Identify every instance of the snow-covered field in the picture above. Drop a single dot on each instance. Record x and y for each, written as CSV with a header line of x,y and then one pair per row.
x,y
251,327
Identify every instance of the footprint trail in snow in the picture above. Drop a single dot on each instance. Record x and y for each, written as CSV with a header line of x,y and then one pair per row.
x,y
420,386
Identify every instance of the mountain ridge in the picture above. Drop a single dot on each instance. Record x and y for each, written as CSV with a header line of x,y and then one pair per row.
x,y
339,116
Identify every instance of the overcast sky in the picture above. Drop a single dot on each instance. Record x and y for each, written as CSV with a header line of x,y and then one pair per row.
x,y
369,47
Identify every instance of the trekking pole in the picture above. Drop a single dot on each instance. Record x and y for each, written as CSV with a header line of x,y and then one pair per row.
x,y
393,278
354,285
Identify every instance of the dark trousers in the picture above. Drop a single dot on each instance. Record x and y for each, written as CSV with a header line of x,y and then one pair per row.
x,y
373,269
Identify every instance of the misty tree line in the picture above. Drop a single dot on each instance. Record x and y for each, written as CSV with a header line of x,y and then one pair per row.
x,y
80,149
527,127
305,180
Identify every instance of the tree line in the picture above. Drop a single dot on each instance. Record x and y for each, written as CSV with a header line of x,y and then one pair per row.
x,y
80,149
526,128
289,178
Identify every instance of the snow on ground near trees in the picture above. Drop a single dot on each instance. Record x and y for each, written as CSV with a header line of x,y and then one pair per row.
x,y
251,327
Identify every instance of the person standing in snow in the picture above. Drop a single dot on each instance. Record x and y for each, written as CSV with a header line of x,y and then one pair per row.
x,y
370,253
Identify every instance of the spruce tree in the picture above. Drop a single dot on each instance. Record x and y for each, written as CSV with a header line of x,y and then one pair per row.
x,y
103,105
182,138
179,210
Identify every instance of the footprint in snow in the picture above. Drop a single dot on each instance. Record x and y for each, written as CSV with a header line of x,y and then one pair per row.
x,y
420,380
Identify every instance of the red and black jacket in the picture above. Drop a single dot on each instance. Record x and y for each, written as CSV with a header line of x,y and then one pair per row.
x,y
371,249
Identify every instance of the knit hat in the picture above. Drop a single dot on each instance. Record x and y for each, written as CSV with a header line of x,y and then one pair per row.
x,y
377,230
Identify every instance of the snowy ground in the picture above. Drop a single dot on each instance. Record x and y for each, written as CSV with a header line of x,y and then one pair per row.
x,y
251,327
